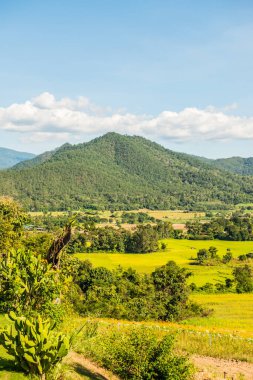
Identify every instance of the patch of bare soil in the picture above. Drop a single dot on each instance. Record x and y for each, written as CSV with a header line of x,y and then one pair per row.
x,y
219,369
179,226
85,366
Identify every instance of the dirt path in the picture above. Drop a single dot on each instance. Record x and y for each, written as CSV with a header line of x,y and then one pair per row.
x,y
219,369
84,366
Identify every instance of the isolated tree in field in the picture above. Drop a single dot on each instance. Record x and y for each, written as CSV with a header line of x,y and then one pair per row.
x,y
227,257
243,279
144,239
213,252
203,255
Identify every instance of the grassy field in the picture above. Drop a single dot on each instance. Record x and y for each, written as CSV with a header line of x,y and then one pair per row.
x,y
181,251
175,216
232,313
226,334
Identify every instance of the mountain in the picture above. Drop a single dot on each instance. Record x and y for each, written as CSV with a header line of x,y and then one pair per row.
x,y
9,157
122,172
237,165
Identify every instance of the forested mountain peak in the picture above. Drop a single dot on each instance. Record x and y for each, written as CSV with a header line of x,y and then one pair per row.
x,y
121,172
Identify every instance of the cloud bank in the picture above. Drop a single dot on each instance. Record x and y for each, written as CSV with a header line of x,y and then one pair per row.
x,y
44,118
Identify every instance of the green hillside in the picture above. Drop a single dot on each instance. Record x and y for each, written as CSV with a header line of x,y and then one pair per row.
x,y
121,172
9,157
238,165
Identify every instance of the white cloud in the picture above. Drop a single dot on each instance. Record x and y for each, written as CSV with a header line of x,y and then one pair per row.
x,y
44,118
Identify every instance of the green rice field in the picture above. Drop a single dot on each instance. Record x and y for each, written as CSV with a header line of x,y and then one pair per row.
x,y
231,313
180,251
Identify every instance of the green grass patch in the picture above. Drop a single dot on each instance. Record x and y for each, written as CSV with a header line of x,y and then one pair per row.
x,y
231,313
7,367
180,251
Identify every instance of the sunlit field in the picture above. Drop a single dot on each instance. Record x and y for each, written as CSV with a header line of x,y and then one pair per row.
x,y
231,312
181,251
174,216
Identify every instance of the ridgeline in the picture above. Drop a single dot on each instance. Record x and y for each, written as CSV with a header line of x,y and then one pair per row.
x,y
122,172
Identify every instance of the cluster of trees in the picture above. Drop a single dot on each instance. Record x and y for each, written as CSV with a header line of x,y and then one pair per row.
x,y
126,294
246,257
241,282
210,256
136,218
108,239
50,223
237,227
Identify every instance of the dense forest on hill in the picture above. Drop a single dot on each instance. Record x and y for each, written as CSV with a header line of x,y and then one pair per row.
x,y
238,165
121,172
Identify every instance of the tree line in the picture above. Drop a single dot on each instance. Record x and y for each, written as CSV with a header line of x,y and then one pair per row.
x,y
236,227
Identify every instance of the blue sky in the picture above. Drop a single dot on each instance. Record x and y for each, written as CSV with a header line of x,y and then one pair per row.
x,y
177,72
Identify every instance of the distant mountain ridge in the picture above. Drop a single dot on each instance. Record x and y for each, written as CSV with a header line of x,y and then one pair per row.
x,y
10,157
237,165
122,172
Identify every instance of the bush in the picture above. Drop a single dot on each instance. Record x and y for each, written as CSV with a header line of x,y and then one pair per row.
x,y
28,284
33,344
138,353
12,220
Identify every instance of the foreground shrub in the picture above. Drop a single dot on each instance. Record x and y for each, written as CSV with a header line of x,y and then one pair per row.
x,y
12,220
137,353
34,345
28,284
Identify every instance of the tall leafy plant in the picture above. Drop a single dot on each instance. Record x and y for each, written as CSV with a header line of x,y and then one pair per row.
x,y
27,282
34,345
12,220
